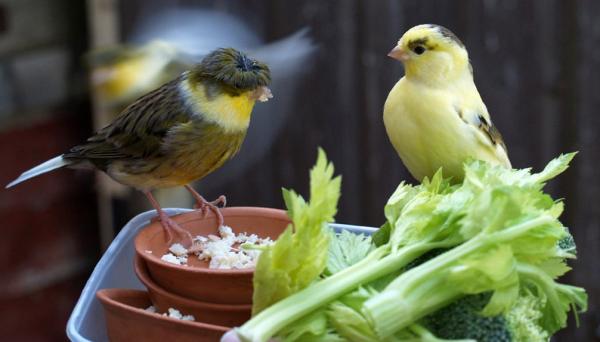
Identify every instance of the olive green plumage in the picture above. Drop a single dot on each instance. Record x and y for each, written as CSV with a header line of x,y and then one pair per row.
x,y
158,142
235,72
179,132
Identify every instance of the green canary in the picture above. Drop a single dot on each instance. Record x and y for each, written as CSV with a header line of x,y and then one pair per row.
x,y
178,133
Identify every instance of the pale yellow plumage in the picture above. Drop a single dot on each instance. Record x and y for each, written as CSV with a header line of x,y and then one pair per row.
x,y
434,116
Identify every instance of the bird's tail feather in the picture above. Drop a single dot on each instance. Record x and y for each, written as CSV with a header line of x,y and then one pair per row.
x,y
52,164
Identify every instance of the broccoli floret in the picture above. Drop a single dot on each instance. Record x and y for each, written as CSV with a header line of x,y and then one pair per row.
x,y
523,317
567,244
463,320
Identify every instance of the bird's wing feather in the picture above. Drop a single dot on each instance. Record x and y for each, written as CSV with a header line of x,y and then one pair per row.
x,y
139,130
480,120
492,132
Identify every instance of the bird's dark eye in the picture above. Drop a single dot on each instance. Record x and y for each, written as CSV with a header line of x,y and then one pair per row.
x,y
419,50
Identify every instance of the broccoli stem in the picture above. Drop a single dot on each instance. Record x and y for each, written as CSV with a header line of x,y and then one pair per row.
x,y
377,264
425,289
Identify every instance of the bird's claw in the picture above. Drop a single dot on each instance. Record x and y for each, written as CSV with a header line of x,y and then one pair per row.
x,y
171,226
220,202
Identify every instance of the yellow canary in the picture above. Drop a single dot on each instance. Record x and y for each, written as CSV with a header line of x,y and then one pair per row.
x,y
178,133
434,116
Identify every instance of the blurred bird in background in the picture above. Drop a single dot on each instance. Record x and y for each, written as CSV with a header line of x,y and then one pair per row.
x,y
434,116
178,133
123,73
164,42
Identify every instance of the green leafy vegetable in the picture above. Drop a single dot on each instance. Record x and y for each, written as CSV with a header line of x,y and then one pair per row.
x,y
311,327
497,234
502,252
282,269
350,324
346,249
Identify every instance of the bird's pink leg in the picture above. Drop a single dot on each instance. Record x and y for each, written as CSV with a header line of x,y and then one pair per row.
x,y
203,204
167,223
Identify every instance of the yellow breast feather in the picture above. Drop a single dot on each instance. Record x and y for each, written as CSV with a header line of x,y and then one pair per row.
x,y
432,128
230,112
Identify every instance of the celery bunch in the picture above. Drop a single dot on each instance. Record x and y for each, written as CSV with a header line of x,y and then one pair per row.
x,y
496,233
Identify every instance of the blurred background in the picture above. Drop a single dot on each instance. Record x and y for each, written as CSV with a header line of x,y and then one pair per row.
x,y
536,66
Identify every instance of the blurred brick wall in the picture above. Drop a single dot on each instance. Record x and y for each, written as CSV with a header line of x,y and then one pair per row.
x,y
50,238
49,233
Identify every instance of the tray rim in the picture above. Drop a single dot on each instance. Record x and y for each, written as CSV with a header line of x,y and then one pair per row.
x,y
124,239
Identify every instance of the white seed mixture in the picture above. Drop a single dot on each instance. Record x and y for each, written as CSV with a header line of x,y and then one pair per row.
x,y
175,259
222,252
178,249
173,313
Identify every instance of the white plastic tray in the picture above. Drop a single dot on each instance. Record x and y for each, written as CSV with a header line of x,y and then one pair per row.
x,y
115,270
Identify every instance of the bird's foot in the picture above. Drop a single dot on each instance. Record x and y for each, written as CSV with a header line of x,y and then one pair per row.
x,y
170,226
220,202
213,206
205,205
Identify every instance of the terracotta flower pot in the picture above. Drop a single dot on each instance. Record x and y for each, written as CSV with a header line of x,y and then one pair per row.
x,y
127,320
227,315
196,280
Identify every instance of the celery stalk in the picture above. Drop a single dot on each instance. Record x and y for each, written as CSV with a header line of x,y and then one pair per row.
x,y
377,264
427,288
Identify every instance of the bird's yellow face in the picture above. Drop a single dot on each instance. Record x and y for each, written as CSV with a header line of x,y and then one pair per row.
x,y
225,87
230,112
432,54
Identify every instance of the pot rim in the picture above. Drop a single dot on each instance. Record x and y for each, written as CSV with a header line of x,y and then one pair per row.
x,y
196,215
141,270
104,296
